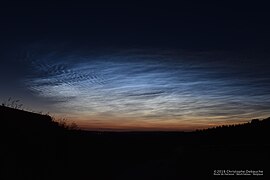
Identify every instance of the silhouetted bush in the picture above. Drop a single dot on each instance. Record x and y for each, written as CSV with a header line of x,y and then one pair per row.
x,y
12,103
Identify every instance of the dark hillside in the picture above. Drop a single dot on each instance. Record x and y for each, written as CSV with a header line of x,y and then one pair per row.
x,y
20,120
31,145
35,147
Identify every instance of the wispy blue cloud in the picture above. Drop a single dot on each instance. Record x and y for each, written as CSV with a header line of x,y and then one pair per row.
x,y
151,87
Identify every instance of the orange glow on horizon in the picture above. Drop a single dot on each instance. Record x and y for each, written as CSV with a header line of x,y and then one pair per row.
x,y
132,124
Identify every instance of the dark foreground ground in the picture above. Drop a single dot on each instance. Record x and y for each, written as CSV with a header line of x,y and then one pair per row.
x,y
35,147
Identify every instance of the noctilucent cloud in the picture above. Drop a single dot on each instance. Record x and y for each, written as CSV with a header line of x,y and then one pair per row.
x,y
147,89
137,65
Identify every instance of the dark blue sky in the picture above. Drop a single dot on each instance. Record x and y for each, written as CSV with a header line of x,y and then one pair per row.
x,y
138,65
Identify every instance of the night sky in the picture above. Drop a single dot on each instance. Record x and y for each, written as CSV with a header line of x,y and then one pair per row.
x,y
137,66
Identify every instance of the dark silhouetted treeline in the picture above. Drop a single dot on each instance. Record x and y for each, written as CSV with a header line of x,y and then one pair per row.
x,y
33,146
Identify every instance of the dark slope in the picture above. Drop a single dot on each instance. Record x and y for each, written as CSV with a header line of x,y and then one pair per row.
x,y
31,145
35,147
20,120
